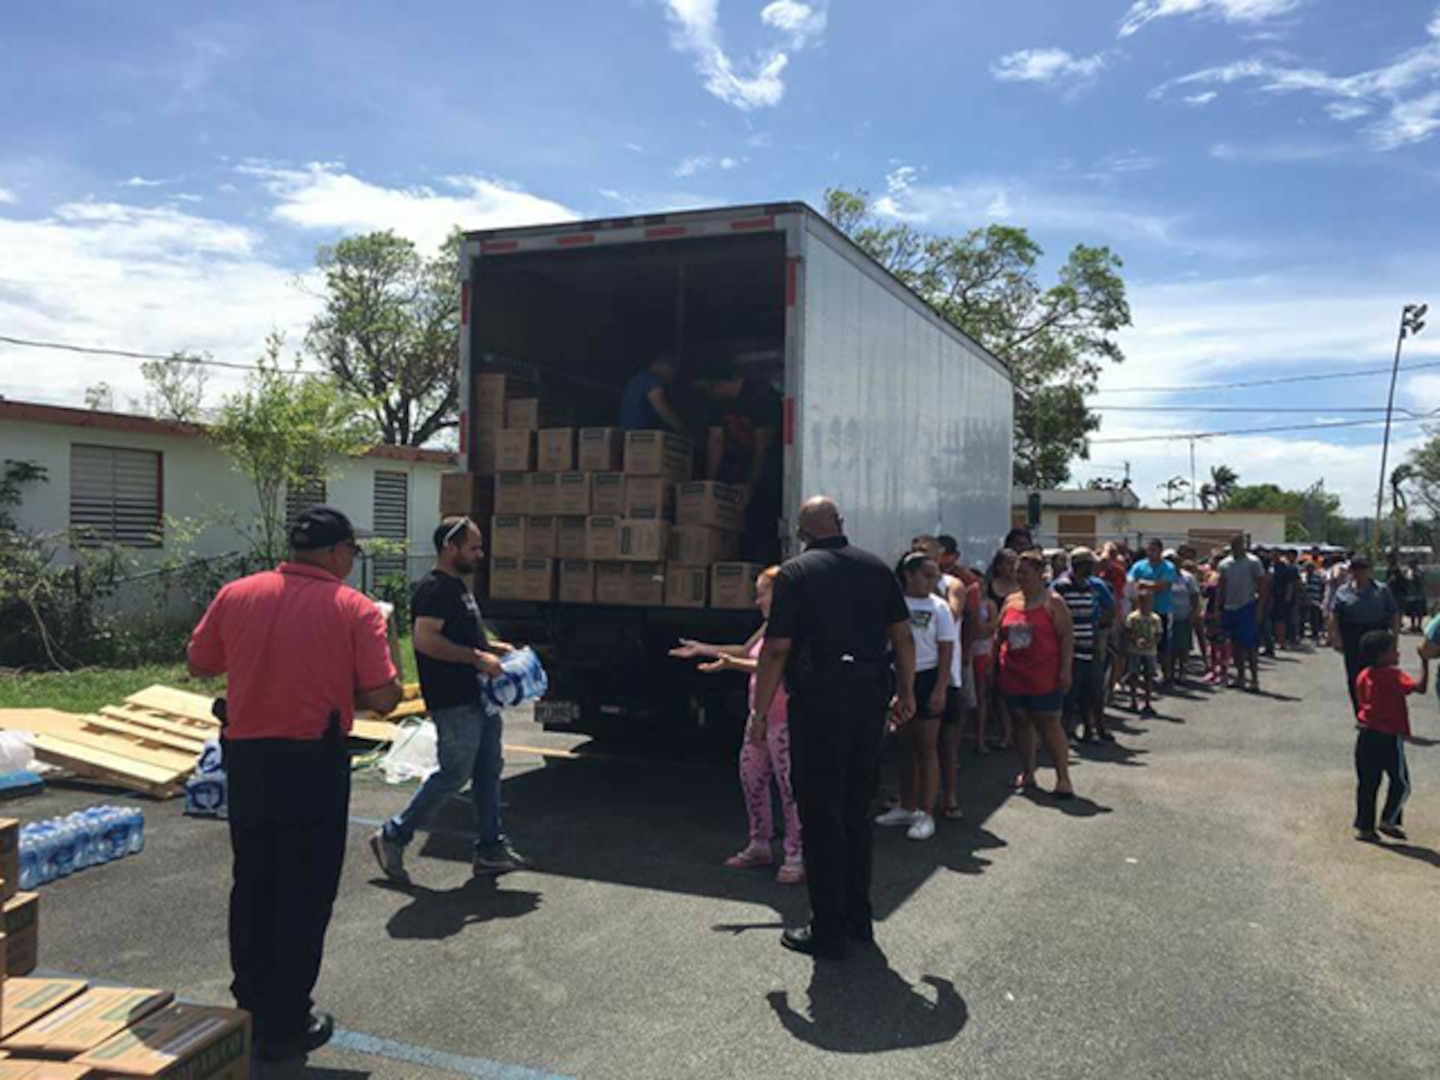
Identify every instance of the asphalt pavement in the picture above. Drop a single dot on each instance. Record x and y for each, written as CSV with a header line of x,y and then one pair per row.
x,y
1200,911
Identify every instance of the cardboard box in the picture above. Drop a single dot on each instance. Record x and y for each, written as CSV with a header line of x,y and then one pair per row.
x,y
505,579
541,536
196,1042
732,585
602,538
468,494
686,586
537,579
98,1014
544,492
484,451
9,857
572,493
555,449
509,536
607,493
492,391
533,414
570,532
610,583
602,449
27,1000
22,933
577,581
645,584
711,504
700,545
514,451
650,495
658,453
512,493
644,539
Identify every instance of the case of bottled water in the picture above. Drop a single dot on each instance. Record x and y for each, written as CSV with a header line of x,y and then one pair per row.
x,y
523,678
60,846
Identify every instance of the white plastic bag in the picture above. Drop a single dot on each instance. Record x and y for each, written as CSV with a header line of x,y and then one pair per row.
x,y
414,754
16,753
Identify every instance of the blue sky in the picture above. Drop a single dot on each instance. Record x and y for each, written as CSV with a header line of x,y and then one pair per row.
x,y
1268,169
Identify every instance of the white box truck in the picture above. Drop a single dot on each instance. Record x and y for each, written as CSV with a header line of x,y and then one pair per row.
x,y
887,408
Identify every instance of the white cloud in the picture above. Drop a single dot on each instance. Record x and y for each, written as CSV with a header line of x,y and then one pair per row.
x,y
1143,12
754,84
803,22
7,196
136,278
692,165
325,197
1201,100
142,182
1408,88
1283,153
1050,66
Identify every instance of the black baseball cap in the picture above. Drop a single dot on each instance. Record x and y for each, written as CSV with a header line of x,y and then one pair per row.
x,y
1361,562
321,527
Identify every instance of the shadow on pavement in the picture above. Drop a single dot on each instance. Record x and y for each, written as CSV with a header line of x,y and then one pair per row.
x,y
434,914
299,1070
863,1006
1414,851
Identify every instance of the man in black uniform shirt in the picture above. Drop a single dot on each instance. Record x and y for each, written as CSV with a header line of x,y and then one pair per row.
x,y
744,449
836,611
453,652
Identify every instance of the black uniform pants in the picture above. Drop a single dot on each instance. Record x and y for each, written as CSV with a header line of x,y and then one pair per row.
x,y
1377,755
836,732
289,809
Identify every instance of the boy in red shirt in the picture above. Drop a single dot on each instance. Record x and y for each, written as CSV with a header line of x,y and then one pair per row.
x,y
1383,725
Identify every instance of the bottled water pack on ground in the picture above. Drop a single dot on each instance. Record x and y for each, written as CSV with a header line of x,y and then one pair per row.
x,y
523,679
60,846
207,793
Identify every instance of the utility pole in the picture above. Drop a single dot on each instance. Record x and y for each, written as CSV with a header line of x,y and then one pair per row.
x,y
1412,321
1192,472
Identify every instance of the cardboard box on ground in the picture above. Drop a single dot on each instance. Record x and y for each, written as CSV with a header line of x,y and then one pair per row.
x,y
22,933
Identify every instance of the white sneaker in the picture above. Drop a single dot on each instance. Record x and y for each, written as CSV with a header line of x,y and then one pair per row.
x,y
923,829
897,816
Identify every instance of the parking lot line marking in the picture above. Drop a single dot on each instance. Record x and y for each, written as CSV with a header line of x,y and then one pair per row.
x,y
483,1068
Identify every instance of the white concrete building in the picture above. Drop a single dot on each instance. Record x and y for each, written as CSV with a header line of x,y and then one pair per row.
x,y
150,484
1070,518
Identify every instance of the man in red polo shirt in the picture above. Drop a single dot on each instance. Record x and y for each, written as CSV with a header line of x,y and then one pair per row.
x,y
301,651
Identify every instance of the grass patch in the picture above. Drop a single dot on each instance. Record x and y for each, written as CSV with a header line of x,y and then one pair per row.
x,y
85,691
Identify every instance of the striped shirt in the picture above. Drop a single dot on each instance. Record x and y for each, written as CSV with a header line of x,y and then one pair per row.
x,y
1081,601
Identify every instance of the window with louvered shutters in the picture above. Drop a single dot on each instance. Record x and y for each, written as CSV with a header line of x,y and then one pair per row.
x,y
392,516
309,492
115,496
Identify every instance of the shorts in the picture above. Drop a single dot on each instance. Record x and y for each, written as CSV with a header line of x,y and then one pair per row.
x,y
1214,630
954,705
1086,683
1240,626
1141,664
1036,703
925,686
1182,637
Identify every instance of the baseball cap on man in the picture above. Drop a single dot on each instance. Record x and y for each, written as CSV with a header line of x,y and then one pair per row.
x,y
1361,562
322,527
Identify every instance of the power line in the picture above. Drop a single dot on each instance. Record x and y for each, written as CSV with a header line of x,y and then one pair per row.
x,y
129,355
1278,381
1187,408
1176,436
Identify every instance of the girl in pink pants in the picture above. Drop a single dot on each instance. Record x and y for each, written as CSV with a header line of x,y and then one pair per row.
x,y
759,762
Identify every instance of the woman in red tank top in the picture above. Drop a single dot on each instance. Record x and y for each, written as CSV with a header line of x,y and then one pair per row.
x,y
1037,648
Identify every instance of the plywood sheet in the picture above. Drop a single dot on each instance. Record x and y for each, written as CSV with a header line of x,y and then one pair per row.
x,y
180,703
184,735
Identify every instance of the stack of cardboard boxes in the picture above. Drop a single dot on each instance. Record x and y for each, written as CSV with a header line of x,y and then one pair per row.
x,y
64,1029
595,515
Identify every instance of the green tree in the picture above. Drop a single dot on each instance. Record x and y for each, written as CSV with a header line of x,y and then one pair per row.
x,y
286,428
1055,339
388,330
175,386
1311,516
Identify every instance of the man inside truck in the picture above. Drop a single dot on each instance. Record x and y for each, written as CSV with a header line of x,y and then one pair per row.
x,y
646,404
744,449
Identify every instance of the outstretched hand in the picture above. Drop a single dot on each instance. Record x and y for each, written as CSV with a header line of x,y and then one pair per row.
x,y
689,650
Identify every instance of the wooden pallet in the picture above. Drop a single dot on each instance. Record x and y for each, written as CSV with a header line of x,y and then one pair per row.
x,y
92,747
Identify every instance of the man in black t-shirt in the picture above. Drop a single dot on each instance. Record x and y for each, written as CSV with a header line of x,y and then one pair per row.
x,y
837,619
744,449
454,652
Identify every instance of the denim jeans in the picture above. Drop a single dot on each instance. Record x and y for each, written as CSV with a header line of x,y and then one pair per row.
x,y
470,749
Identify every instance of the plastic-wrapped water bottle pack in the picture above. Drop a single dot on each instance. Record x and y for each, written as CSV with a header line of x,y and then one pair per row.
x,y
60,846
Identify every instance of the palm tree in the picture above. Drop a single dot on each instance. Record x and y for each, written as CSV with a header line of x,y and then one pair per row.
x,y
1207,496
1223,481
1174,489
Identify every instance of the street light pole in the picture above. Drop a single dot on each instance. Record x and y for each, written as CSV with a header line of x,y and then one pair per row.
x,y
1412,321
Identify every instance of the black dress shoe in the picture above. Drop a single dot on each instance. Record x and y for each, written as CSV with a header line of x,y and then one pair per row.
x,y
318,1031
804,941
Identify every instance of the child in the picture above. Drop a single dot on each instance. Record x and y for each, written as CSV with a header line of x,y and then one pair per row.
x,y
1142,642
1219,648
1383,725
932,626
